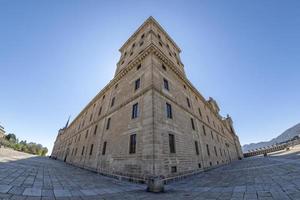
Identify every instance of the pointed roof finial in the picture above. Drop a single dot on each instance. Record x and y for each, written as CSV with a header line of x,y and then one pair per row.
x,y
68,122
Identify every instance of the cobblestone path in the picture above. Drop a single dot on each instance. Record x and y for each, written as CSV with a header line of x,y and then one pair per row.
x,y
24,176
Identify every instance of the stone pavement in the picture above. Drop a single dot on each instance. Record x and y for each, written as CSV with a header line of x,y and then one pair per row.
x,y
24,176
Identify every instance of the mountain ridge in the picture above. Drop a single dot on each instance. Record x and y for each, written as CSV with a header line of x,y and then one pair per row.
x,y
286,135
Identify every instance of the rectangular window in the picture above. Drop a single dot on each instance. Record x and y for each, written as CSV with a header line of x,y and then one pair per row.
x,y
132,144
108,124
204,131
208,119
138,67
207,148
137,84
91,117
134,113
112,102
196,148
104,148
192,122
82,150
212,135
173,169
188,102
87,133
200,112
95,130
172,143
169,111
100,110
199,165
216,151
166,84
91,150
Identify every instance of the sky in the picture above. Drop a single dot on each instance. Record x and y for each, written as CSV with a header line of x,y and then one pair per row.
x,y
55,56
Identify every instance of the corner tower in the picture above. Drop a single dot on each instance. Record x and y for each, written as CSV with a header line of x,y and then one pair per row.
x,y
148,34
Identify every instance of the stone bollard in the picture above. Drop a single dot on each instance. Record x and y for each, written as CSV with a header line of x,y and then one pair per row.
x,y
155,184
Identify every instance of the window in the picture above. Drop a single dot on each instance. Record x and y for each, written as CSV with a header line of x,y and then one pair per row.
x,y
112,102
207,118
199,165
75,151
212,135
133,45
138,67
91,150
207,148
188,102
216,151
95,130
108,124
196,148
87,133
173,169
134,111
141,43
169,111
184,86
103,97
116,86
192,122
78,138
104,148
164,67
132,144
158,36
166,84
200,112
137,84
142,36
168,47
82,151
131,53
210,163
221,152
204,131
172,143
160,44
100,110
91,117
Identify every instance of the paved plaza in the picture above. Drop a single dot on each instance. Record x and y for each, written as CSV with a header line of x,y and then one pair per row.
x,y
24,176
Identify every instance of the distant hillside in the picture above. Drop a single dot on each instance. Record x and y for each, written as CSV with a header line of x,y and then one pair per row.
x,y
286,135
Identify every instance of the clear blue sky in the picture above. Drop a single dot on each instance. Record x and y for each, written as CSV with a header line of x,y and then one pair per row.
x,y
55,56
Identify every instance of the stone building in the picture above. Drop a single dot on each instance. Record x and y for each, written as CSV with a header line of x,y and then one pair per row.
x,y
149,119
2,131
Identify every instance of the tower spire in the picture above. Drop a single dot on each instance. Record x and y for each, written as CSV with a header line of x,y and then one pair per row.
x,y
66,126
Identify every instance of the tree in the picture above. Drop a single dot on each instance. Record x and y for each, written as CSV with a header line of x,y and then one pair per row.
x,y
11,137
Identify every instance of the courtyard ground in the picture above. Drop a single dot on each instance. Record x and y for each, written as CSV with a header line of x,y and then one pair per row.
x,y
23,176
